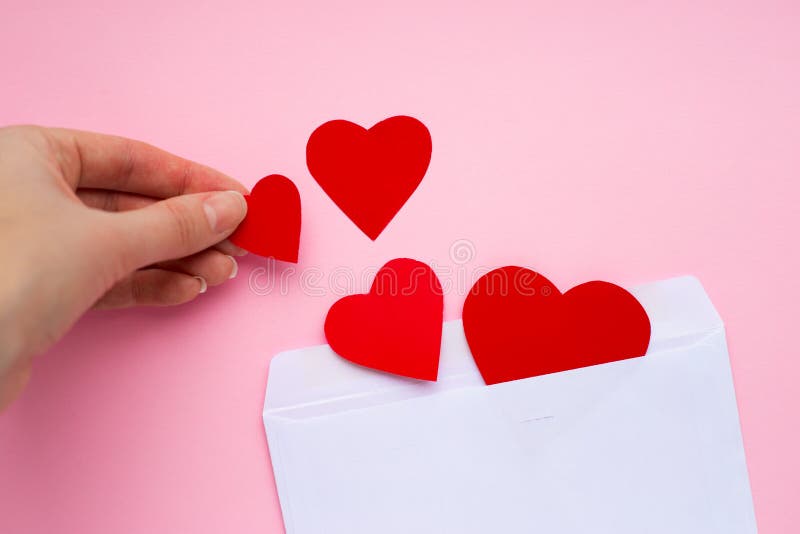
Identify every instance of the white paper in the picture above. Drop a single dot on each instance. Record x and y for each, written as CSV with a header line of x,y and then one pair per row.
x,y
647,445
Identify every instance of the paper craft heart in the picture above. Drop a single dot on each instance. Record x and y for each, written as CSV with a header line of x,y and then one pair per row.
x,y
396,327
371,173
272,225
519,325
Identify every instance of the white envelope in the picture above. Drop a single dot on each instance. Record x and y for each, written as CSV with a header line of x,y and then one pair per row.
x,y
647,445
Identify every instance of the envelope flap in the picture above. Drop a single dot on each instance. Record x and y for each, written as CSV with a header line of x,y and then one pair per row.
x,y
305,379
306,382
680,311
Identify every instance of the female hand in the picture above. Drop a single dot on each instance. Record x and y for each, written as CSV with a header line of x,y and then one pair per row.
x,y
95,220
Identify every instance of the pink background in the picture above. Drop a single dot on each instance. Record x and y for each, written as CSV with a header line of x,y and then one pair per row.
x,y
616,141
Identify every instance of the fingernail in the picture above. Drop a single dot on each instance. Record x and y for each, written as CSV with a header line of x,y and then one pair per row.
x,y
226,247
224,210
203,284
235,269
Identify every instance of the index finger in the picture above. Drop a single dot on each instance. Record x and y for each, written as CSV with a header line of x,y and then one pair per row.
x,y
99,161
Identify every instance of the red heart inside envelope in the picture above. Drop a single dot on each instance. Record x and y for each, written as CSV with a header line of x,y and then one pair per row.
x,y
371,173
272,225
396,327
519,325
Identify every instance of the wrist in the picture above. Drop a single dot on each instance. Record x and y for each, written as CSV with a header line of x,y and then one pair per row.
x,y
15,297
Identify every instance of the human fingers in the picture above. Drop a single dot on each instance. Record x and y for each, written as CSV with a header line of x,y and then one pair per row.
x,y
226,247
174,228
116,201
14,380
152,287
99,161
211,265
105,200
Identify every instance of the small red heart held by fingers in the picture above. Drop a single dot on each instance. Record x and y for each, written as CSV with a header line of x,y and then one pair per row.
x,y
272,225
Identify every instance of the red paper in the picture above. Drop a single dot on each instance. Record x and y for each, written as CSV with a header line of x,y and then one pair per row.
x,y
371,173
519,325
396,327
272,225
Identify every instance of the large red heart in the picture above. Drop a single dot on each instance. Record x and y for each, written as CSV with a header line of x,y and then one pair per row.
x,y
396,327
519,325
371,173
272,225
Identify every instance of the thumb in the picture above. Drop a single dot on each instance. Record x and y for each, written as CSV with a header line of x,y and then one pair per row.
x,y
177,227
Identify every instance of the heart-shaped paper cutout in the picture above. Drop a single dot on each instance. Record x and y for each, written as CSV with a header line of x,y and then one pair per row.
x,y
519,325
272,225
396,327
371,173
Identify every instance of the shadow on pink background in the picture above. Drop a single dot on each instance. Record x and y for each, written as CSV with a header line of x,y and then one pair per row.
x,y
621,142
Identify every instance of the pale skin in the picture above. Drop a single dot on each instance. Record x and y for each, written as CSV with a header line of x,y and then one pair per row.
x,y
90,220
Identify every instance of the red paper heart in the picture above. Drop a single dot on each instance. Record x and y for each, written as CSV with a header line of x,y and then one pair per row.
x,y
272,225
396,327
371,173
519,325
